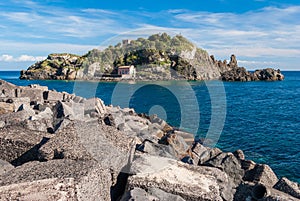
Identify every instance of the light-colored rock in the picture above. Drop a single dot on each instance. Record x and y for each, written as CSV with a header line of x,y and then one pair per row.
x,y
189,182
152,194
27,108
19,101
6,108
2,124
65,179
5,166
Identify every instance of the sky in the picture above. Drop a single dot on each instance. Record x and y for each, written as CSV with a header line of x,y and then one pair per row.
x,y
260,33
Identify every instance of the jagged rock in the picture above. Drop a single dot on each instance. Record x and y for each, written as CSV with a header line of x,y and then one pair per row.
x,y
288,187
27,108
6,108
152,194
45,114
241,74
66,144
203,154
248,165
57,178
228,163
72,110
233,62
256,191
5,167
268,74
94,105
20,145
158,121
89,141
177,143
156,149
261,173
239,154
2,124
53,96
189,182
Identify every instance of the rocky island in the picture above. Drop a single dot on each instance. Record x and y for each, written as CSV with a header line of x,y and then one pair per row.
x,y
159,57
59,146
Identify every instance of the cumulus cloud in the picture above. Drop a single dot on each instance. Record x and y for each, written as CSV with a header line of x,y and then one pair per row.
x,y
22,58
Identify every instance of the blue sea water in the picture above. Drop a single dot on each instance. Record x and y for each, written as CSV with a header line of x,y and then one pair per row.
x,y
261,118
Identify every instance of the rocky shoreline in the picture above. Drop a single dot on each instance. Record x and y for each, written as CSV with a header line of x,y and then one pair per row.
x,y
59,146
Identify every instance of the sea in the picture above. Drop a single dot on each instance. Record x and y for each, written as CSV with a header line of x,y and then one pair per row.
x,y
262,118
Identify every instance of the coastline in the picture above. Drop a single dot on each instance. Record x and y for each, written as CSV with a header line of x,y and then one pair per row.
x,y
148,137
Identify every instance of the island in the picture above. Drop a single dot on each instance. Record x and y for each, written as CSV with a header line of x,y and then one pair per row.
x,y
59,146
159,57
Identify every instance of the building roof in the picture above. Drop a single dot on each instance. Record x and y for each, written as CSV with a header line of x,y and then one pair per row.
x,y
122,67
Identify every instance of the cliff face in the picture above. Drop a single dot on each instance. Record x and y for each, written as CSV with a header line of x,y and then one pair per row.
x,y
159,57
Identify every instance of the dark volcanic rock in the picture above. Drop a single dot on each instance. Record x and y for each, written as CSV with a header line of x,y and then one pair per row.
x,y
241,74
20,145
263,174
228,163
288,187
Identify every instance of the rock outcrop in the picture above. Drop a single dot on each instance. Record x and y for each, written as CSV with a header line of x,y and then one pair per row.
x,y
236,73
58,146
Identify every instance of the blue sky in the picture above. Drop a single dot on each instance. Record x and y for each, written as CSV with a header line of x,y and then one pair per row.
x,y
260,33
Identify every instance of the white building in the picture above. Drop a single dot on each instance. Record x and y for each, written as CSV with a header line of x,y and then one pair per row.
x,y
126,71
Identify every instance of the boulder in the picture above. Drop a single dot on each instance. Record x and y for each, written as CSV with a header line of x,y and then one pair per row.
x,y
2,124
261,173
177,143
201,154
228,163
91,140
5,167
257,191
150,194
53,96
248,165
6,108
19,101
66,144
156,149
288,187
27,108
94,105
239,154
189,182
20,145
65,179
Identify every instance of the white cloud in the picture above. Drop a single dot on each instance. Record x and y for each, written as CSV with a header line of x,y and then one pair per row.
x,y
6,57
22,58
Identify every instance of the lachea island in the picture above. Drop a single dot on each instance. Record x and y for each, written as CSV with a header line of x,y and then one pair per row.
x,y
159,57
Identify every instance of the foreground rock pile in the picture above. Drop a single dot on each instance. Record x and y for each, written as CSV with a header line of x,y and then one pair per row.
x,y
58,146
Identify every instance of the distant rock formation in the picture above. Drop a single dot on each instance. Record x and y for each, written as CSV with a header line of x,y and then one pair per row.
x,y
160,57
241,74
59,146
